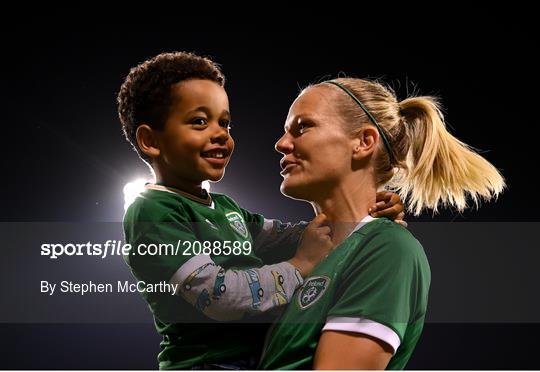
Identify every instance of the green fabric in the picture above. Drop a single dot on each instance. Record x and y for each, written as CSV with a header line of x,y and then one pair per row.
x,y
189,337
379,273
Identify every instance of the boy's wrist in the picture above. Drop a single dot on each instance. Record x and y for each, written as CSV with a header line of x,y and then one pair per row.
x,y
303,267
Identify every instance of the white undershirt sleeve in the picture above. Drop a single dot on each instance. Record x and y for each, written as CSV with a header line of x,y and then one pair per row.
x,y
365,326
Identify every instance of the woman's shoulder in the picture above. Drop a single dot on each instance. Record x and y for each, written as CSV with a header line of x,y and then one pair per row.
x,y
384,237
383,247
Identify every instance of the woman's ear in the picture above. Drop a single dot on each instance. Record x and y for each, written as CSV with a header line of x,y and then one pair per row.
x,y
147,141
365,142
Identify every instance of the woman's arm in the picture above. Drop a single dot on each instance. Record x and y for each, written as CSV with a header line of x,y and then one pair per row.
x,y
350,350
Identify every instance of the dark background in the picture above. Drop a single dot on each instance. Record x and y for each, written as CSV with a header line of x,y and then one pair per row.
x,y
65,158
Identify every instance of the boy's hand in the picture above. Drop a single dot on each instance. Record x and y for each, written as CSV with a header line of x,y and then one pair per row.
x,y
389,204
315,245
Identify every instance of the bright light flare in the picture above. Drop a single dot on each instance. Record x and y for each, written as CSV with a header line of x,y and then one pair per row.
x,y
132,190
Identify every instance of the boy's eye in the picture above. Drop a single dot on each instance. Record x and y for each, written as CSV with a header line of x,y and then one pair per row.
x,y
199,121
225,124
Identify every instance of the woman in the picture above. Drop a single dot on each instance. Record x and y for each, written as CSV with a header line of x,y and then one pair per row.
x,y
364,306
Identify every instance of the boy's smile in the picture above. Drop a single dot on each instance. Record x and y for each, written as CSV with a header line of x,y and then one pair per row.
x,y
217,156
195,144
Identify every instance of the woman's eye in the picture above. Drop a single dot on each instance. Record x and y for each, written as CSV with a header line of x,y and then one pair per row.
x,y
302,127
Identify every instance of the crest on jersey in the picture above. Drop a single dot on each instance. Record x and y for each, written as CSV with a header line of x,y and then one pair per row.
x,y
312,290
237,223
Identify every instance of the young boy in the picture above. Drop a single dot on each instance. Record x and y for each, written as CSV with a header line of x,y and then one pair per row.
x,y
175,112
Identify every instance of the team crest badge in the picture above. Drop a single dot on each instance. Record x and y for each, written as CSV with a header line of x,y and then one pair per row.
x,y
237,223
312,291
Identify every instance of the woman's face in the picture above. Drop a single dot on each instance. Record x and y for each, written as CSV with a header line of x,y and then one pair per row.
x,y
316,149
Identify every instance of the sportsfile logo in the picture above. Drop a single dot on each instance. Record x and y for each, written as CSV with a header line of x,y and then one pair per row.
x,y
109,248
117,248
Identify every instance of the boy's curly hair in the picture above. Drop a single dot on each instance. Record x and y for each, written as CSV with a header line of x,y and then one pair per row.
x,y
145,95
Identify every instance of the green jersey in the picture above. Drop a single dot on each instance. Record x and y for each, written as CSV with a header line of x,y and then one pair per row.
x,y
198,235
376,283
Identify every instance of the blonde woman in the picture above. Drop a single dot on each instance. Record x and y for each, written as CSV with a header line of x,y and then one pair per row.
x,y
364,306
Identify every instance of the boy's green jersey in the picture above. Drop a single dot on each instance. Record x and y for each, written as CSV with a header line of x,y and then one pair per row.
x,y
161,216
376,282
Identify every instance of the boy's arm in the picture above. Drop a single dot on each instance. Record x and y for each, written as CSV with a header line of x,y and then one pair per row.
x,y
218,293
276,241
273,241
232,294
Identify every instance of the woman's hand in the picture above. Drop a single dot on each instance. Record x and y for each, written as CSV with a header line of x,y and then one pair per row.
x,y
389,204
315,245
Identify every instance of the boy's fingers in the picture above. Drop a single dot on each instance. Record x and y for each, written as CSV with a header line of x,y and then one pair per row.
x,y
387,211
324,230
402,223
387,197
379,206
319,220
394,198
383,196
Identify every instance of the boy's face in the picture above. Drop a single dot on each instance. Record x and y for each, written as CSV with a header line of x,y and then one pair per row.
x,y
195,144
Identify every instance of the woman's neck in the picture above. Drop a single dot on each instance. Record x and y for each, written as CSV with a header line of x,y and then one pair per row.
x,y
345,206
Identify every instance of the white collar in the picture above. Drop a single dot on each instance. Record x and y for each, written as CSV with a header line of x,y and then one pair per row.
x,y
205,201
364,221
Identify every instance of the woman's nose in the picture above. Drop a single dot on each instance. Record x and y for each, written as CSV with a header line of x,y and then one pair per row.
x,y
284,145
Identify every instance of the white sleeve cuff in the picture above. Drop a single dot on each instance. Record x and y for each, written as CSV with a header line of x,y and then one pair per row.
x,y
365,326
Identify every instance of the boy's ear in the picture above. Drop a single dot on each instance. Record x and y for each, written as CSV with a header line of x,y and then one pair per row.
x,y
147,141
365,142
